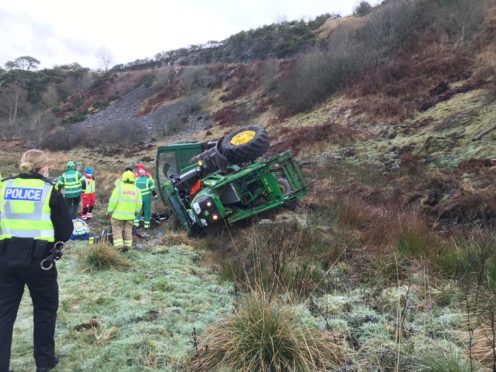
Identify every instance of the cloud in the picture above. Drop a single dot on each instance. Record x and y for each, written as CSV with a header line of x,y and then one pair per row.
x,y
21,34
61,31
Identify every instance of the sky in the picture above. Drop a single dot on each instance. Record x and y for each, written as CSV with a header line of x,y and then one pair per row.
x,y
58,32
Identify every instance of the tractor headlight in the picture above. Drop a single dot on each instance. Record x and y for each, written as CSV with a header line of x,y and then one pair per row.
x,y
206,208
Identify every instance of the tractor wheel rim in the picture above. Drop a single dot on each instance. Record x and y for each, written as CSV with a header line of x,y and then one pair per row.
x,y
243,137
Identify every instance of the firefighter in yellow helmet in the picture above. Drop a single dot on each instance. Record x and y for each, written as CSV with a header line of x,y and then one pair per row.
x,y
33,216
125,202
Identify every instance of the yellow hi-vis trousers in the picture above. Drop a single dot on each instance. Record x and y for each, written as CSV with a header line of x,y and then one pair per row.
x,y
122,233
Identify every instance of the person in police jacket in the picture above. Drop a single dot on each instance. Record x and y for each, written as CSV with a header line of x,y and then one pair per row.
x,y
33,216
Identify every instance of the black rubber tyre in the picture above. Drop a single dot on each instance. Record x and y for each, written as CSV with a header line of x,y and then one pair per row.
x,y
245,144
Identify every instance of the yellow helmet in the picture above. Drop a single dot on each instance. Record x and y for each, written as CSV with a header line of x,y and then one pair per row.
x,y
128,176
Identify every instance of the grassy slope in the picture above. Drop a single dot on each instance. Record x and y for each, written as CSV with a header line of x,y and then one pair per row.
x,y
132,336
145,316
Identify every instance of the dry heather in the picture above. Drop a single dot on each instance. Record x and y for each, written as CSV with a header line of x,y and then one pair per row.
x,y
399,88
298,139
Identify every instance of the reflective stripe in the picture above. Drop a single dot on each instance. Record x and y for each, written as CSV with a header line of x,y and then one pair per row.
x,y
71,182
29,233
145,184
24,215
124,201
119,213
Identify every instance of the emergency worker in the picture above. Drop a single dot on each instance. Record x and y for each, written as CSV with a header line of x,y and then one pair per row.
x,y
88,196
147,187
125,202
33,215
73,183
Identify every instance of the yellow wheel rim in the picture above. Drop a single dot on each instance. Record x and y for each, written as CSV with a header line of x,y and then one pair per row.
x,y
243,137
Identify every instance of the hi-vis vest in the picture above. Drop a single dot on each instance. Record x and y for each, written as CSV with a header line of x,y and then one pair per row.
x,y
25,209
125,201
71,182
90,186
146,185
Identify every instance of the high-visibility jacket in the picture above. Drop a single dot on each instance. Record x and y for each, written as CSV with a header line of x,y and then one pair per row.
x,y
90,185
125,201
72,181
146,185
25,209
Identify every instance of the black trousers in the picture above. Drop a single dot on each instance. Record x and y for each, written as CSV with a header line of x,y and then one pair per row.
x,y
44,292
73,204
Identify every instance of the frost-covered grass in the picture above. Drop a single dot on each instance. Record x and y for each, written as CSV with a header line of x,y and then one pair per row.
x,y
141,319
389,327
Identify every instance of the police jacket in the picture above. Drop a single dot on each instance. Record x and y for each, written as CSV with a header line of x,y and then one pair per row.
x,y
59,213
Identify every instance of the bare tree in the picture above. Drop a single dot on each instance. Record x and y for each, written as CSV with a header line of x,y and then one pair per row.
x,y
11,99
105,58
50,96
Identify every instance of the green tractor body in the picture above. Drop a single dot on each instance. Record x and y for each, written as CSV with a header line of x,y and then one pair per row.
x,y
203,187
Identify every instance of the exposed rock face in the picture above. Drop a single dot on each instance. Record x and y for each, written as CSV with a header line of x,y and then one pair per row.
x,y
128,106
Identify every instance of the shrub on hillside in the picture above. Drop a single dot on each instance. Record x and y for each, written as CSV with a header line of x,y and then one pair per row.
x,y
61,139
362,9
461,20
486,67
389,30
194,80
114,134
266,336
282,256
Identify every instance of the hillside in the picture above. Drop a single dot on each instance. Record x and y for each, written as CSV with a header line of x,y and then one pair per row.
x,y
391,257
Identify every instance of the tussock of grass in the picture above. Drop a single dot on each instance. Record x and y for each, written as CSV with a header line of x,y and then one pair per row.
x,y
453,362
265,336
103,256
471,257
386,269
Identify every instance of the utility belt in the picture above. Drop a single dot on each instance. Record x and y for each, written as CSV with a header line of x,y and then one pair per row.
x,y
18,253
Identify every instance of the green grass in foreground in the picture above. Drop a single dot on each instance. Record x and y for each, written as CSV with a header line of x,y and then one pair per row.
x,y
142,319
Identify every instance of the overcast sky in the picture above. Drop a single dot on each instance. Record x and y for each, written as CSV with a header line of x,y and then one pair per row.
x,y
59,32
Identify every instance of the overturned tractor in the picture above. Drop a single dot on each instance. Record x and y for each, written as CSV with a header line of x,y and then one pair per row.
x,y
205,184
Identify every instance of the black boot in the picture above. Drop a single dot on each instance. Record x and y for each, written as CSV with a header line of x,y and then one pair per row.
x,y
46,369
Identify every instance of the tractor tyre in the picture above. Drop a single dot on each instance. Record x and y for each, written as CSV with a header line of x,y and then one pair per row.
x,y
245,144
